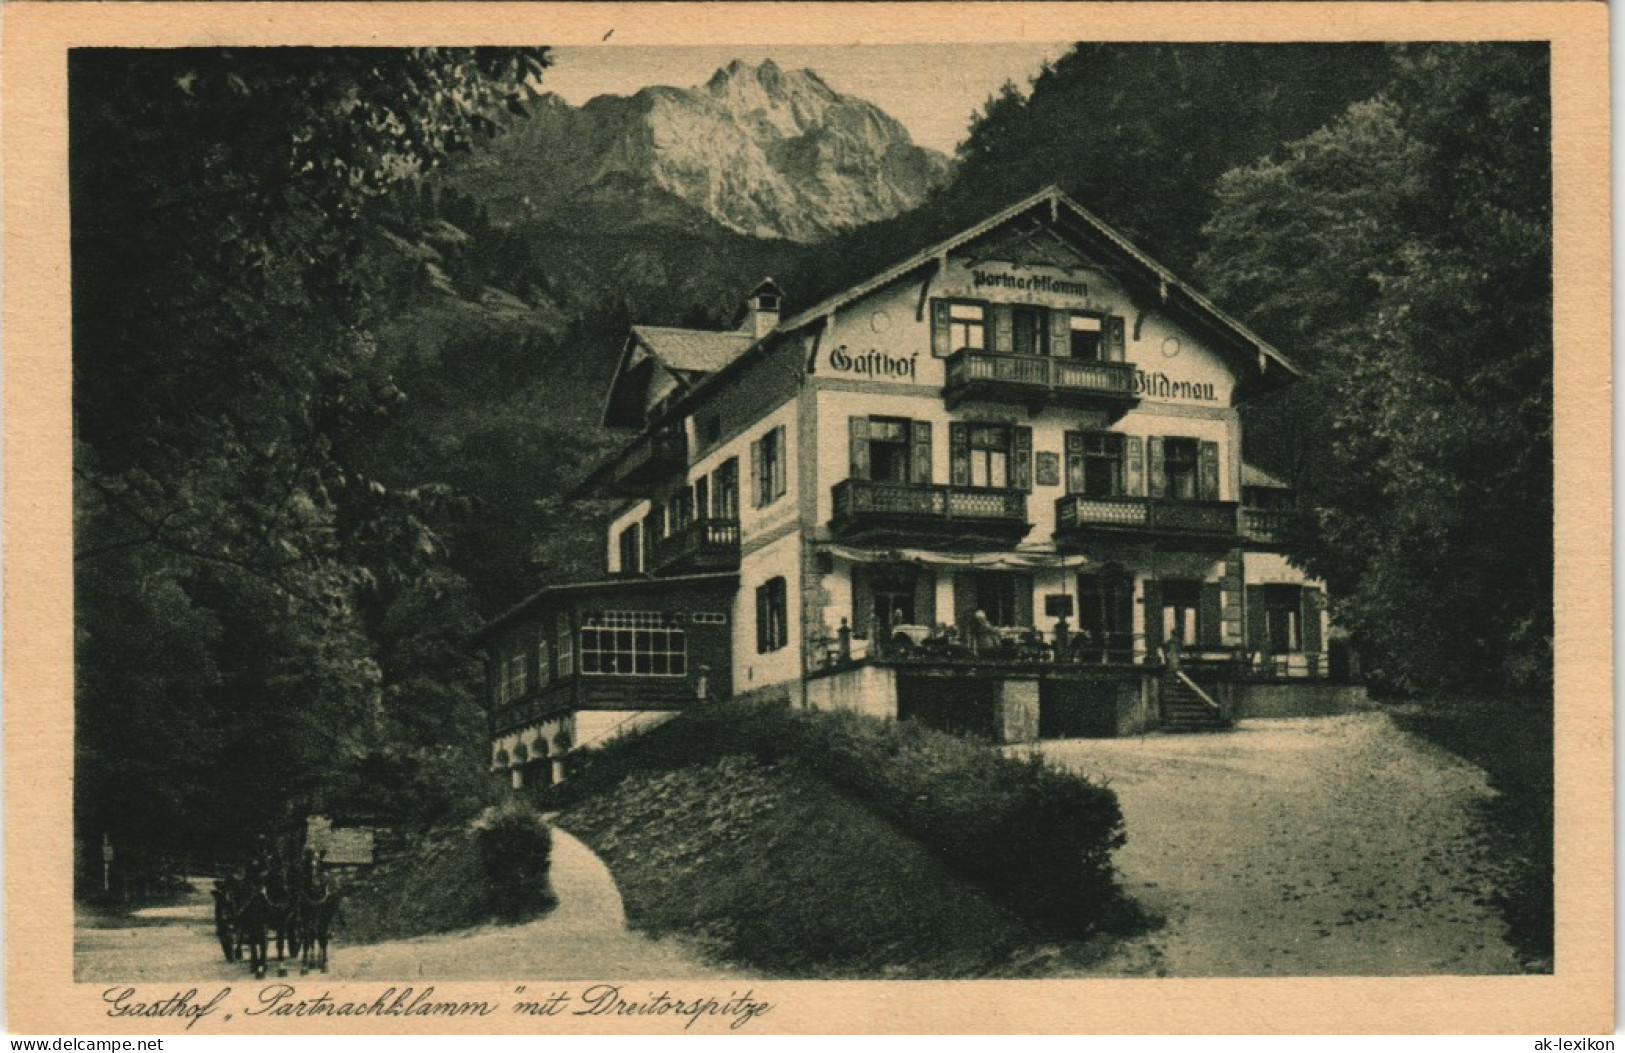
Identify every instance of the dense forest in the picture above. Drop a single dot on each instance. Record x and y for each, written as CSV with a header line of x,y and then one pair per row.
x,y
325,407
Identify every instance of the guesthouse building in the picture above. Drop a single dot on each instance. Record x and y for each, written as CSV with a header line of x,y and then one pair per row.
x,y
998,488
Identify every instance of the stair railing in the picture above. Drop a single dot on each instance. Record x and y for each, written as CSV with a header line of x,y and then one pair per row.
x,y
1196,689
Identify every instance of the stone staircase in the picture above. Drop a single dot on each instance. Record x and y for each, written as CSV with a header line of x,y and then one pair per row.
x,y
1187,706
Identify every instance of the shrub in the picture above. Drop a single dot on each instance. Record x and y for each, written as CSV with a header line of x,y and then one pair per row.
x,y
515,847
1037,838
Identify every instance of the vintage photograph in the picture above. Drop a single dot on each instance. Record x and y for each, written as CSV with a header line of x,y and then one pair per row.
x,y
551,520
1072,509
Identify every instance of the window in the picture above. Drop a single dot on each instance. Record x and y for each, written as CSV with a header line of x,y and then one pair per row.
x,y
544,664
1105,617
772,616
967,326
1179,458
631,547
888,450
996,597
1283,618
725,490
702,497
708,618
517,680
1087,336
1094,464
565,640
710,429
1180,603
998,456
894,589
1029,330
679,512
633,643
989,455
767,455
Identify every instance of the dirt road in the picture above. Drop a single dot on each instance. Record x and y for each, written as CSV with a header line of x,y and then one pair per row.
x,y
1298,847
583,938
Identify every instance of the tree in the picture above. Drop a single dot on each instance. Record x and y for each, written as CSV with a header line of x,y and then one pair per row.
x,y
227,205
1408,249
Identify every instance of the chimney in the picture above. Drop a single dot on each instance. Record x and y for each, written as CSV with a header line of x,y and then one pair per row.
x,y
763,312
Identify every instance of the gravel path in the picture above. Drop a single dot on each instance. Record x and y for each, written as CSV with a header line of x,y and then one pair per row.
x,y
1297,847
583,938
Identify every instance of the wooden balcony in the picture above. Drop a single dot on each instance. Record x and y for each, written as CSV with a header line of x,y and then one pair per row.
x,y
656,456
1036,381
702,545
933,514
1182,523
1270,526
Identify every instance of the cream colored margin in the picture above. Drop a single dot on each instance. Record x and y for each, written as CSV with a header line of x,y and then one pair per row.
x,y
38,525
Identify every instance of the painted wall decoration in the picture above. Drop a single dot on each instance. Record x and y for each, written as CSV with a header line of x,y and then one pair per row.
x,y
1047,467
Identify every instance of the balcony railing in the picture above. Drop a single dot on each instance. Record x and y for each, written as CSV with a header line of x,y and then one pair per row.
x,y
704,544
655,456
1077,515
1039,379
1269,525
866,507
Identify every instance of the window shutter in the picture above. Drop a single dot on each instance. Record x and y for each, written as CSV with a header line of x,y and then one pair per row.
x,y
493,673
649,540
1060,333
761,619
1133,466
1004,336
702,497
925,596
1024,599
1311,621
1021,458
1153,616
1156,476
959,453
1115,339
757,497
939,328
781,462
1208,614
860,446
964,602
863,601
1258,632
1209,477
1074,462
920,436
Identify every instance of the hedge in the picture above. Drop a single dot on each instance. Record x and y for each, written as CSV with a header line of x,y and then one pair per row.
x,y
1037,838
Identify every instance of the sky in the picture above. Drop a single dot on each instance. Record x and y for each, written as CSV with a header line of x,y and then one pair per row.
x,y
931,88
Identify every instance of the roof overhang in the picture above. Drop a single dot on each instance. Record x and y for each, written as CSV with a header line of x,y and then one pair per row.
x,y
606,587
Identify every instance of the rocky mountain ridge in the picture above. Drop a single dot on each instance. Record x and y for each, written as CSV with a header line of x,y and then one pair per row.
x,y
762,151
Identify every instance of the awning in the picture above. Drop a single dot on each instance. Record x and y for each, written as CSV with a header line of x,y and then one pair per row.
x,y
982,560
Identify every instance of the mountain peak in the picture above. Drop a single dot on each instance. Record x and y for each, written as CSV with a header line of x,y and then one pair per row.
x,y
765,151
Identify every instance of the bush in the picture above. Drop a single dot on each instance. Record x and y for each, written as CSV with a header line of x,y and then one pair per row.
x,y
1037,838
515,847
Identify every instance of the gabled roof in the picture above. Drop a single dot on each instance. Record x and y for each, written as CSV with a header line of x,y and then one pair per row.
x,y
691,350
689,355
1170,289
1256,355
